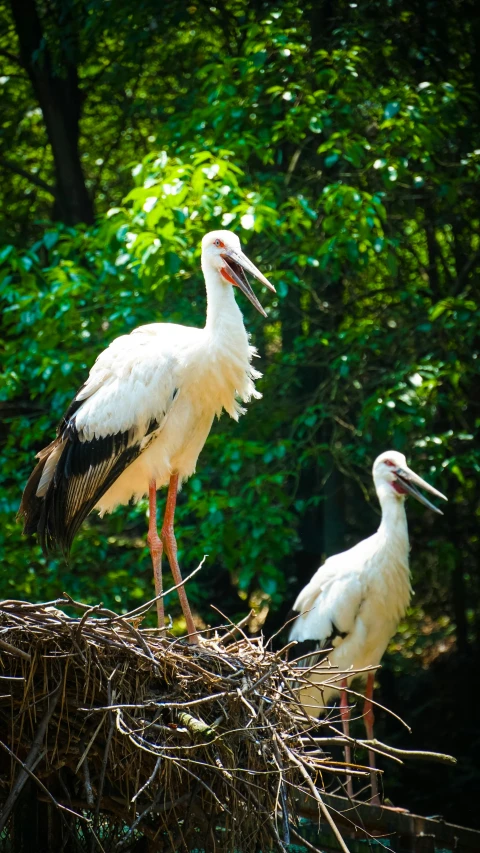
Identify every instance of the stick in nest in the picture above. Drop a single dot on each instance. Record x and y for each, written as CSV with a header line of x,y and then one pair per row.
x,y
161,724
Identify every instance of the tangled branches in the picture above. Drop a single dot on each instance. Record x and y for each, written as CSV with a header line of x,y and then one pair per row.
x,y
186,746
125,737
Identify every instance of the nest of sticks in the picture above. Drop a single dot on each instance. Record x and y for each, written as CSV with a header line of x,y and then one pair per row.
x,y
129,740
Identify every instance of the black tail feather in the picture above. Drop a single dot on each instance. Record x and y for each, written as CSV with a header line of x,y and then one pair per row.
x,y
30,509
85,470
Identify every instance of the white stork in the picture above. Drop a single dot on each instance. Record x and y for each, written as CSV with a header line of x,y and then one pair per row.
x,y
354,602
142,417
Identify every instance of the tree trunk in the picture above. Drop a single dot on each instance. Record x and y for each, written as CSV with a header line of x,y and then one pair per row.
x,y
57,90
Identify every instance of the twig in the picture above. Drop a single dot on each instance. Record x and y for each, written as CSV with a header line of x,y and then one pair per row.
x,y
94,609
249,687
373,745
45,790
149,780
303,841
14,651
89,745
284,626
417,755
155,704
283,795
31,760
87,784
138,820
236,627
144,608
110,698
315,792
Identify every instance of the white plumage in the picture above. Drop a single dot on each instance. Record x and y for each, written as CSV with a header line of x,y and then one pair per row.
x,y
145,411
177,377
354,602
361,593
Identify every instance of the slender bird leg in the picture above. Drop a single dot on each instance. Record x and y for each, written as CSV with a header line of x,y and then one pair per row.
x,y
345,715
168,538
369,719
156,549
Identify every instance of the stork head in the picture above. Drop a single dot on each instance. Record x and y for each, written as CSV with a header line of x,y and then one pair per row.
x,y
392,476
222,252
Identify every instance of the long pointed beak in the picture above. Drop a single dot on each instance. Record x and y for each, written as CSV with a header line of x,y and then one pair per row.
x,y
409,482
236,263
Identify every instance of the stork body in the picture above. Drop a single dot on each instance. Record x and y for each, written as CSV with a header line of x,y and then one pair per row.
x,y
178,378
143,415
354,602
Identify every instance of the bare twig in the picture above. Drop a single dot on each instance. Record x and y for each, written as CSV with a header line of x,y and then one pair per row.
x,y
237,627
303,841
293,758
218,726
110,696
149,780
40,784
14,651
414,754
30,761
144,608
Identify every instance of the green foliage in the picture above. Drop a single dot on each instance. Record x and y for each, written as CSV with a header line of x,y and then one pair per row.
x,y
347,167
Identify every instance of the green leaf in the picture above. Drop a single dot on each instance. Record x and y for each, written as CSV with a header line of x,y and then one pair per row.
x,y
391,109
331,160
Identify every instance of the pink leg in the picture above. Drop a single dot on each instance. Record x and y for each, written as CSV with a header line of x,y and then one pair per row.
x,y
156,548
168,538
345,715
369,719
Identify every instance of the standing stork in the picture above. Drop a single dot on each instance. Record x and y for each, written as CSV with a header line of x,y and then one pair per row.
x,y
142,417
354,602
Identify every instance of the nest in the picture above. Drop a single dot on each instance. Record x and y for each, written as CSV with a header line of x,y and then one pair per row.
x,y
125,737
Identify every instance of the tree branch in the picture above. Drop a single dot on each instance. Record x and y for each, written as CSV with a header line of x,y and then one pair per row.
x,y
11,57
38,182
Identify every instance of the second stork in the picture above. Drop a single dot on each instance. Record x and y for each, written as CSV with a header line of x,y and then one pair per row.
x,y
354,602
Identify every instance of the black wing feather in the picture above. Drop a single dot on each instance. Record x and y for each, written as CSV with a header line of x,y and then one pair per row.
x,y
85,470
82,471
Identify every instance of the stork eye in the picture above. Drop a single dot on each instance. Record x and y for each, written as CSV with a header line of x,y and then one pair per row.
x,y
218,243
389,463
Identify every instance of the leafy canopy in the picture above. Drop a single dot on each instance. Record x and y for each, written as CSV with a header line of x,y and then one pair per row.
x,y
347,166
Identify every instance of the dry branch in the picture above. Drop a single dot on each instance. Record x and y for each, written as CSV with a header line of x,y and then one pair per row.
x,y
131,733
167,740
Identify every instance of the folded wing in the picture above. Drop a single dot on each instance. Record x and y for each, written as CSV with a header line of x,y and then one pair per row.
x,y
112,419
328,605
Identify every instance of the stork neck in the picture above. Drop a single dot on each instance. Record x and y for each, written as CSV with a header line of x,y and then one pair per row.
x,y
394,517
223,313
